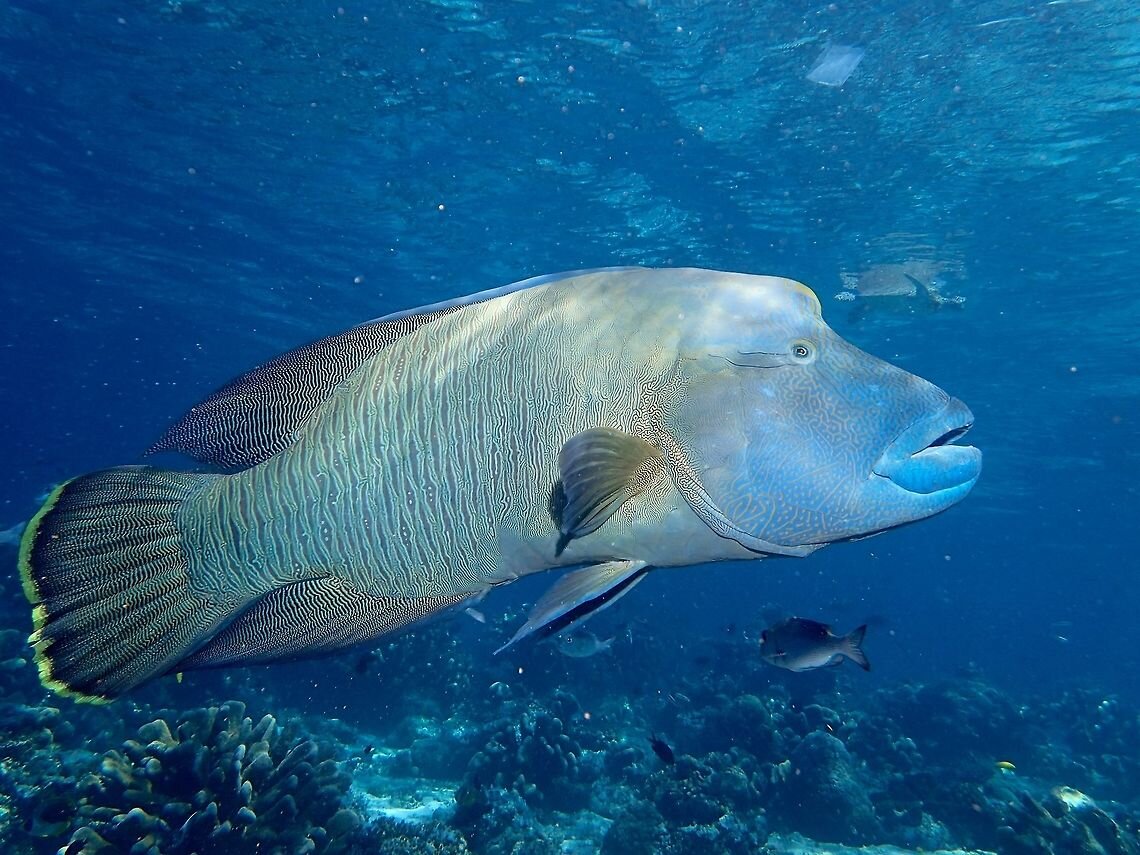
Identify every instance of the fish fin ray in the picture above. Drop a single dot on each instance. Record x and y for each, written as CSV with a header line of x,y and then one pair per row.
x,y
579,594
853,647
309,618
115,536
600,469
259,414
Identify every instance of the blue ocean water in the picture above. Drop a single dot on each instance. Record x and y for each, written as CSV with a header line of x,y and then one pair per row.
x,y
190,188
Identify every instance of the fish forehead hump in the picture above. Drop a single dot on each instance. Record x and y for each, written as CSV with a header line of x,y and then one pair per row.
x,y
730,295
681,306
728,308
633,314
744,296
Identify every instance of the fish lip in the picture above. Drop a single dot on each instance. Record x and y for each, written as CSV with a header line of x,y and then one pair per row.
x,y
926,459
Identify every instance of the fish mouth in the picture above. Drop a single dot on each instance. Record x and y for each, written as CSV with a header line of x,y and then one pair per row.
x,y
924,458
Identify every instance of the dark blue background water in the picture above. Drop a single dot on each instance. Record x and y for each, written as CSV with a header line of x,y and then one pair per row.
x,y
189,188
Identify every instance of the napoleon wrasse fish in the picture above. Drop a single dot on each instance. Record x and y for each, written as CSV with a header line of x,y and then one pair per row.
x,y
609,421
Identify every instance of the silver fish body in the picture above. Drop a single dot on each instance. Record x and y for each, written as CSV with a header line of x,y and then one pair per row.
x,y
581,644
614,420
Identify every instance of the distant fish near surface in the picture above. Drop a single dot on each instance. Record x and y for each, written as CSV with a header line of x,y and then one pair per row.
x,y
581,644
799,644
914,278
611,421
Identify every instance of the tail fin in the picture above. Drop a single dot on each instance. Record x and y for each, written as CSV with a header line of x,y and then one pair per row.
x,y
853,648
105,567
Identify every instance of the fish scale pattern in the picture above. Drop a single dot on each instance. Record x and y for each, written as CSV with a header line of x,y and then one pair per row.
x,y
434,448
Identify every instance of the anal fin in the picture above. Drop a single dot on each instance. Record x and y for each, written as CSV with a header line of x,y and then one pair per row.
x,y
308,618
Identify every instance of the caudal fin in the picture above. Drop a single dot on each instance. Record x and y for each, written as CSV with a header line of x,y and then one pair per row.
x,y
105,566
853,647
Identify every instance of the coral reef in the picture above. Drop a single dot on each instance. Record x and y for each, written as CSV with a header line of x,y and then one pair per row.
x,y
537,756
391,837
741,722
525,769
825,793
215,781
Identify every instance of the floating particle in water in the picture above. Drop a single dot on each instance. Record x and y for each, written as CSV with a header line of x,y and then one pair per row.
x,y
835,65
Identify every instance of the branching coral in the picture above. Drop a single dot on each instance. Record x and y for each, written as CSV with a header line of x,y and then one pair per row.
x,y
536,757
215,782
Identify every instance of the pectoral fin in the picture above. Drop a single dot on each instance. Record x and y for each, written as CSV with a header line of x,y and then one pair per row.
x,y
578,595
600,469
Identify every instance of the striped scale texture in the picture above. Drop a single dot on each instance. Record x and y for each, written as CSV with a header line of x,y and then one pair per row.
x,y
425,469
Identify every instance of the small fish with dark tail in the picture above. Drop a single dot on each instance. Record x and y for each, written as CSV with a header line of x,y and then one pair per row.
x,y
799,644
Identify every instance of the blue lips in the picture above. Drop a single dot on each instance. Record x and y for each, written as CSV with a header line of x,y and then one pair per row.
x,y
923,460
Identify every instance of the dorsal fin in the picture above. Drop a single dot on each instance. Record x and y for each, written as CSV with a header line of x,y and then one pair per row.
x,y
254,417
258,415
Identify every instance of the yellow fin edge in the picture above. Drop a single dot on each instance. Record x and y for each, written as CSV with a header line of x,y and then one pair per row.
x,y
39,611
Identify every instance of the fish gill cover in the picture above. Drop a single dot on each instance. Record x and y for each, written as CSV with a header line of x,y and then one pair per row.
x,y
193,188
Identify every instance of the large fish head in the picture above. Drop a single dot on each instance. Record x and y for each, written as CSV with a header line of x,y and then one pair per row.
x,y
799,438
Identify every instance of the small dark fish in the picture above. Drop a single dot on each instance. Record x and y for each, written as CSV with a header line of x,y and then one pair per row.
x,y
799,644
367,662
662,750
368,749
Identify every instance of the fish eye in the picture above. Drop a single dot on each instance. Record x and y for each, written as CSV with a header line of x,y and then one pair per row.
x,y
803,351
